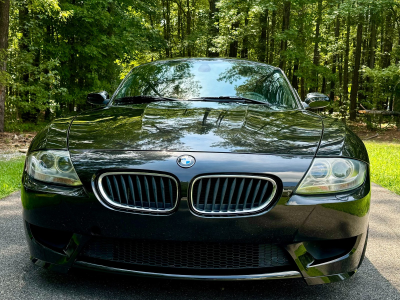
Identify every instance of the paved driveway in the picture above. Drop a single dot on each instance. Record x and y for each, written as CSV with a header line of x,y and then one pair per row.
x,y
378,278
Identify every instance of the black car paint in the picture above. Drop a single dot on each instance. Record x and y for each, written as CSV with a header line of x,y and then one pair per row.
x,y
197,126
243,137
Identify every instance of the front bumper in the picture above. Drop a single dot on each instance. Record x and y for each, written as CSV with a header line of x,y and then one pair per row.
x,y
86,218
307,228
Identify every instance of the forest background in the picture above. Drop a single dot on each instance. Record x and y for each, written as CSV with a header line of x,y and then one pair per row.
x,y
54,52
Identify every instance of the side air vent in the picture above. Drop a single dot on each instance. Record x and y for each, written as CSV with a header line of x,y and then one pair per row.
x,y
145,192
224,195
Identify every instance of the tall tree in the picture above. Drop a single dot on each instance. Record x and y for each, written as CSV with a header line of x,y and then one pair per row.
x,y
272,44
245,44
4,24
346,61
213,20
356,72
285,27
167,26
262,42
58,55
335,56
188,26
387,40
234,44
316,58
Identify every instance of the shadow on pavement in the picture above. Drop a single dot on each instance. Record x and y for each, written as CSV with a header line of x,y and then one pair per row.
x,y
20,279
366,284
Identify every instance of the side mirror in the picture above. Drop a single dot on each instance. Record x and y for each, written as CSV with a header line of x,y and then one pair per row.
x,y
316,101
101,98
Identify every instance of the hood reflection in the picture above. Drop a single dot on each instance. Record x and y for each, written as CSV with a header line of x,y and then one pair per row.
x,y
198,126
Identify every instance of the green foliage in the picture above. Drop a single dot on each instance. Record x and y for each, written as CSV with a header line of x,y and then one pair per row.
x,y
60,50
385,159
10,175
384,85
18,126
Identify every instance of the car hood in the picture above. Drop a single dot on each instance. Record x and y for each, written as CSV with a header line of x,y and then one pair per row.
x,y
197,126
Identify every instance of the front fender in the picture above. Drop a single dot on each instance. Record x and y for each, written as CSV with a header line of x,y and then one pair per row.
x,y
339,140
53,136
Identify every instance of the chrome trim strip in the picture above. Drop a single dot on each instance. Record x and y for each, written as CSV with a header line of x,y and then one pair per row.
x,y
224,213
117,205
277,275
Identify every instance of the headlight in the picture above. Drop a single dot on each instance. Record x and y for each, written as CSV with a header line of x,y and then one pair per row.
x,y
330,175
53,166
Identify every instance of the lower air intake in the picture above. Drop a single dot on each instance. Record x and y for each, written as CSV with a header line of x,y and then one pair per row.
x,y
187,255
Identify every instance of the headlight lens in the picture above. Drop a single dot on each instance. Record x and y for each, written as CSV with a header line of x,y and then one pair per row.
x,y
330,175
53,166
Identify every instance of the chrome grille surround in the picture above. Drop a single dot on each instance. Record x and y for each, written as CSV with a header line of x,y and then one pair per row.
x,y
216,208
167,184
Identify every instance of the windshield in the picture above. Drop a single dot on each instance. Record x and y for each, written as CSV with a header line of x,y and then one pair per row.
x,y
207,79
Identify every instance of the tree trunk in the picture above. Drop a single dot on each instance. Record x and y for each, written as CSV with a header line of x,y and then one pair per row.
x,y
183,30
168,21
4,24
323,88
167,26
23,19
262,43
179,25
371,52
272,46
303,88
244,53
188,27
233,46
335,59
285,26
346,62
357,61
295,81
316,58
213,30
372,42
388,40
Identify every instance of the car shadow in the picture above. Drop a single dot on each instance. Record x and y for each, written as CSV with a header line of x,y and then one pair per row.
x,y
368,283
20,279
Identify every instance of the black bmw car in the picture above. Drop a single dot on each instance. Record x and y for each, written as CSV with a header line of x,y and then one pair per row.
x,y
208,169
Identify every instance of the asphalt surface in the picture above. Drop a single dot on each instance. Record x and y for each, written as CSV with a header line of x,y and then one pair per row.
x,y
378,278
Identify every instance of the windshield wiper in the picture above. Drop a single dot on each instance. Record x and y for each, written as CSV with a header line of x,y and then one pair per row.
x,y
230,99
142,99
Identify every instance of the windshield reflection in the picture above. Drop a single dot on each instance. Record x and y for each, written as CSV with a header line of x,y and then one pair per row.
x,y
202,78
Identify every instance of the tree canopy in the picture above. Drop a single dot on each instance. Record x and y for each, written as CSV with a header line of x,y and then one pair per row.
x,y
60,50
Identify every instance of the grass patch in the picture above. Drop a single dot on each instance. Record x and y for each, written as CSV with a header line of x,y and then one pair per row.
x,y
10,175
385,164
20,127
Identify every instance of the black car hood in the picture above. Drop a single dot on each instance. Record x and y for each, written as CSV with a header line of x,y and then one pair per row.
x,y
197,126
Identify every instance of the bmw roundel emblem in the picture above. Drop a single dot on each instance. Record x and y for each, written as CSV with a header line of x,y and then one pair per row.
x,y
186,161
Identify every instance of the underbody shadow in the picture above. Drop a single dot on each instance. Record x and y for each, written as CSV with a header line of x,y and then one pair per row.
x,y
368,283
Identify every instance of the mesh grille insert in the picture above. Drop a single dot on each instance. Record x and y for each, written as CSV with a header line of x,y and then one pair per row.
x,y
189,255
